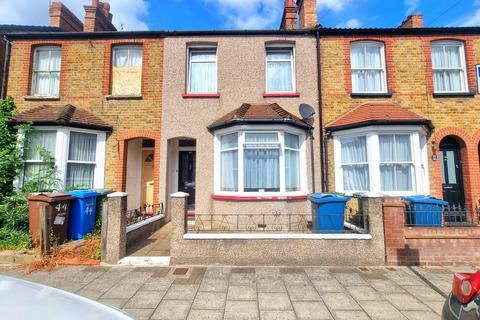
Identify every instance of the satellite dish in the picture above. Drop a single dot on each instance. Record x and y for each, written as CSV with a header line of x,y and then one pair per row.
x,y
306,111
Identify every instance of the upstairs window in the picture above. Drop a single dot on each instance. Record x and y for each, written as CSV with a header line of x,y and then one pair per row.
x,y
368,67
280,70
449,68
46,71
127,70
202,70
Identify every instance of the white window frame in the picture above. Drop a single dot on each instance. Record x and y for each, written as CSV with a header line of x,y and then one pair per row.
x,y
382,69
35,71
463,65
281,48
62,150
128,47
201,49
280,130
418,143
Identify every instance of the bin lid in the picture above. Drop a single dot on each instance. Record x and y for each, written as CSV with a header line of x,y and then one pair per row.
x,y
102,191
327,197
81,194
50,197
426,200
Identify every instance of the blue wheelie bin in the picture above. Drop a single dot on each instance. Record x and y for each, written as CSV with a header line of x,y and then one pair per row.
x,y
425,211
82,213
328,212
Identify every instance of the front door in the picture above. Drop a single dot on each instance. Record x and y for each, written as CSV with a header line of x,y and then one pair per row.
x,y
186,174
452,177
147,177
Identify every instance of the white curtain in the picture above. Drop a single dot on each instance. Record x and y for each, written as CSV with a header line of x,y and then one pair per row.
x,y
127,56
82,148
448,73
395,176
203,72
229,162
292,162
47,71
366,61
279,76
354,164
35,140
262,165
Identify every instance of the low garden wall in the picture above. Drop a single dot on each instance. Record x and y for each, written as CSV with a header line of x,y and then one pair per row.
x,y
441,245
144,229
277,248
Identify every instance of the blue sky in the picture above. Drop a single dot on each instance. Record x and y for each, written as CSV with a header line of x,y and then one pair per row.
x,y
251,14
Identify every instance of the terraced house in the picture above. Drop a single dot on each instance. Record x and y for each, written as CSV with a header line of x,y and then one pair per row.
x,y
248,123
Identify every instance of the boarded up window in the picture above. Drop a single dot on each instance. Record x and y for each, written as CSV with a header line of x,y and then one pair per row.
x,y
127,70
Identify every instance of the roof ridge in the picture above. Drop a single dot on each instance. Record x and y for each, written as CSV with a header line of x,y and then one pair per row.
x,y
67,113
280,111
242,111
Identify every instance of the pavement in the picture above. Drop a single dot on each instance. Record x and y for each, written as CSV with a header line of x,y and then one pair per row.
x,y
265,293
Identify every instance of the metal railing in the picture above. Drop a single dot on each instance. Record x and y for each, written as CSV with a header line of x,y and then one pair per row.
x,y
143,213
453,215
276,222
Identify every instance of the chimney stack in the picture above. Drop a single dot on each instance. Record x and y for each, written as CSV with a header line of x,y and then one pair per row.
x,y
307,13
98,17
289,18
61,17
413,21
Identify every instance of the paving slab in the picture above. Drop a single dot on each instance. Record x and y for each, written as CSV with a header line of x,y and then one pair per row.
x,y
172,310
205,315
381,310
209,301
403,301
277,315
364,293
340,301
241,310
350,315
145,299
181,292
241,293
139,314
214,285
311,310
274,301
303,293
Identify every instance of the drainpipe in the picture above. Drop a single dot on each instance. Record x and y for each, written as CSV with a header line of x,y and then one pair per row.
x,y
312,160
320,113
5,68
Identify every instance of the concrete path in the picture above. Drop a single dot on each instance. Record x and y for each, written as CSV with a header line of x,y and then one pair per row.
x,y
258,293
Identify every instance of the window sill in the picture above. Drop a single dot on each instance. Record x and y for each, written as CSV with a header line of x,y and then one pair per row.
x,y
200,95
124,97
40,98
257,198
371,95
454,94
281,94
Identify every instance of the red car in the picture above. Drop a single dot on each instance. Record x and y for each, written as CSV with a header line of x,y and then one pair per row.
x,y
464,301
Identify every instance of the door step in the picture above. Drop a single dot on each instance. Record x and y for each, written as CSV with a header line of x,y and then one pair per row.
x,y
145,261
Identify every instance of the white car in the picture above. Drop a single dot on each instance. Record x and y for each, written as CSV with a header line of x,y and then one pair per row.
x,y
22,300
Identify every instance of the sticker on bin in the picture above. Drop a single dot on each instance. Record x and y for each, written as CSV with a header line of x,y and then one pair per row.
x,y
90,209
59,220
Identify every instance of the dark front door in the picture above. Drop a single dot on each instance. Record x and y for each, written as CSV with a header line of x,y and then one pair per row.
x,y
186,174
452,177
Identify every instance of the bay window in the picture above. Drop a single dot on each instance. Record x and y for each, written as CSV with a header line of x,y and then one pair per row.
x,y
79,156
367,60
449,67
46,71
202,70
385,160
260,162
280,68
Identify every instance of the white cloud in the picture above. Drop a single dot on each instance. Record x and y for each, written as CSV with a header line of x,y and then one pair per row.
x,y
411,5
126,13
334,5
350,23
468,21
249,14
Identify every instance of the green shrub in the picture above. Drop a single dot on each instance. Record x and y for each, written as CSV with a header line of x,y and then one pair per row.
x,y
14,213
14,239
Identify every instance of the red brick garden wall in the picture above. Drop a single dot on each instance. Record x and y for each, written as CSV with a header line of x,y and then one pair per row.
x,y
426,245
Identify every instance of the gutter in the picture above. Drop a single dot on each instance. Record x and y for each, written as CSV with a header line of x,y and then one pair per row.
x,y
320,116
3,92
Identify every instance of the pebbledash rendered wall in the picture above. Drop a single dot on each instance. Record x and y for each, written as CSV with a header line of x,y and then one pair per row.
x,y
410,81
278,249
241,79
85,82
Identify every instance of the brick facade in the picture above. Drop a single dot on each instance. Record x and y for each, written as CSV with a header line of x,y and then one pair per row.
x,y
409,80
85,83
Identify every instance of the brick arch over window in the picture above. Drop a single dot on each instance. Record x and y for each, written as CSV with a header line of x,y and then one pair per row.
x,y
123,137
469,158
